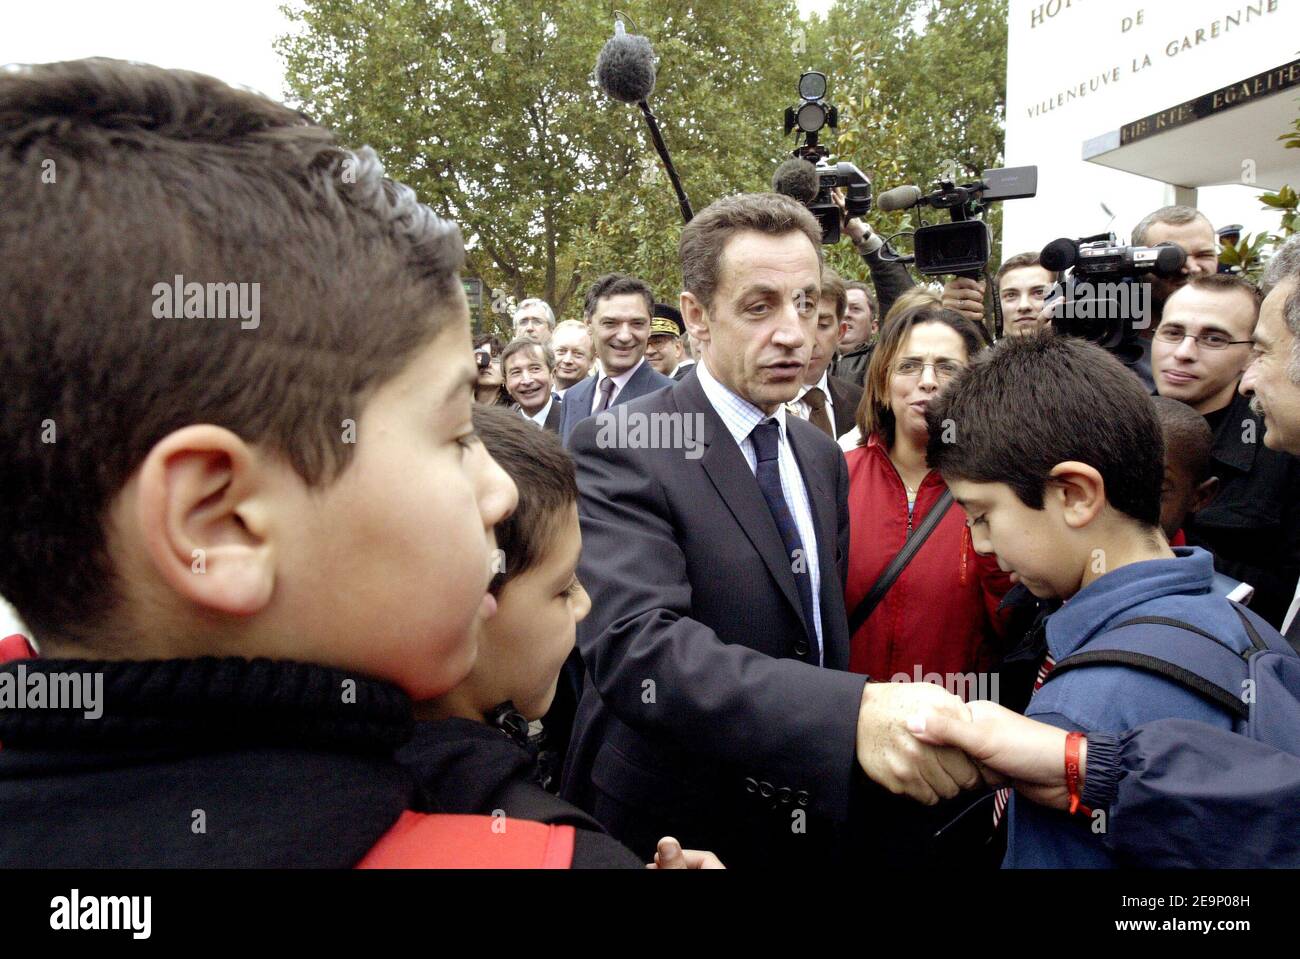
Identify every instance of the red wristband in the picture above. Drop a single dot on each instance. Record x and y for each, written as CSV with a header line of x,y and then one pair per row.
x,y
1072,741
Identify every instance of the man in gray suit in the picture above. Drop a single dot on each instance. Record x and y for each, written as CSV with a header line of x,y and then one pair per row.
x,y
716,706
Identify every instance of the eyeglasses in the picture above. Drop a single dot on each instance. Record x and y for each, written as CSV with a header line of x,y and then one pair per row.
x,y
1210,340
944,370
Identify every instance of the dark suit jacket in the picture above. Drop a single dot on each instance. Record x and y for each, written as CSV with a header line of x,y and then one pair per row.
x,y
845,397
555,415
682,372
578,401
1253,525
699,718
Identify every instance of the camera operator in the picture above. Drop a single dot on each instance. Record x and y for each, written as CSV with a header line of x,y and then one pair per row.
x,y
1186,227
890,278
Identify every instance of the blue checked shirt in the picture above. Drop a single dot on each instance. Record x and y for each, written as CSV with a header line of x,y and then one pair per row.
x,y
740,417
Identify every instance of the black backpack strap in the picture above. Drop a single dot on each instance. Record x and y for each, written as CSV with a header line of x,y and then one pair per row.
x,y
1151,664
913,543
1162,656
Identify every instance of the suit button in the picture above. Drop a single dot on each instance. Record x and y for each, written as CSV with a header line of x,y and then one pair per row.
x,y
765,790
751,784
783,795
801,648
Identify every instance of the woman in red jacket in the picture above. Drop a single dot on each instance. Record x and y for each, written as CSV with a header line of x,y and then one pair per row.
x,y
940,616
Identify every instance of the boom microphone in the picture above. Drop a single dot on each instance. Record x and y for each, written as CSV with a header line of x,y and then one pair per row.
x,y
1059,255
899,198
796,178
625,68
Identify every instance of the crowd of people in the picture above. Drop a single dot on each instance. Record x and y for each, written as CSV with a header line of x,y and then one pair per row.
x,y
361,588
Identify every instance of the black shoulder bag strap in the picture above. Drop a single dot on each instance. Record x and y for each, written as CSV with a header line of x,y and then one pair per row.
x,y
893,570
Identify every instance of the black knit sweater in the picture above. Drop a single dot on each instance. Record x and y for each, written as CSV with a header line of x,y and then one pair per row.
x,y
211,762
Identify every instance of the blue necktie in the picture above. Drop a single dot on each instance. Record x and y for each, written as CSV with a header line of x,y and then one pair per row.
x,y
766,437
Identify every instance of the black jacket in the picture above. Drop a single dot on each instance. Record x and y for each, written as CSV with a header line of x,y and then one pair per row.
x,y
851,367
467,767
889,277
845,397
891,280
702,716
213,763
1253,525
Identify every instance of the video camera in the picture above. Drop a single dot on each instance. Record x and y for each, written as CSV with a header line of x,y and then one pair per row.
x,y
1103,300
961,247
812,187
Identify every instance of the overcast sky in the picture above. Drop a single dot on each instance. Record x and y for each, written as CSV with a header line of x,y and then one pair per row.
x,y
230,40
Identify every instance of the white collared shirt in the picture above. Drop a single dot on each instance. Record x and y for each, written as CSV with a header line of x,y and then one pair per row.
x,y
740,417
540,416
620,381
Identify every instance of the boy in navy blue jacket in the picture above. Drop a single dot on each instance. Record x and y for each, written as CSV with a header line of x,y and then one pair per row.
x,y
1055,453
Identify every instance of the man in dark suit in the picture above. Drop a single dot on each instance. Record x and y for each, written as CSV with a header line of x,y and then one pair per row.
x,y
528,368
618,310
715,705
828,402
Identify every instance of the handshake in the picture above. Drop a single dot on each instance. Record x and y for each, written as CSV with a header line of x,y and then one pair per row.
x,y
918,740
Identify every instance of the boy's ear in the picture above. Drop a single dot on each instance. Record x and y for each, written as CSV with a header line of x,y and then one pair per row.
x,y
694,315
1205,494
1082,492
201,502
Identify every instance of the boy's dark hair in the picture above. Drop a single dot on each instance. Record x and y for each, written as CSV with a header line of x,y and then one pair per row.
x,y
523,344
617,284
1032,402
705,238
1188,438
120,177
543,472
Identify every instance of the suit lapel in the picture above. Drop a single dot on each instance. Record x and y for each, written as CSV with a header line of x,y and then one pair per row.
x,y
735,483
575,401
635,385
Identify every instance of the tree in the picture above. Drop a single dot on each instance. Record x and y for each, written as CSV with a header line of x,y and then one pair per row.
x,y
489,110
925,93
